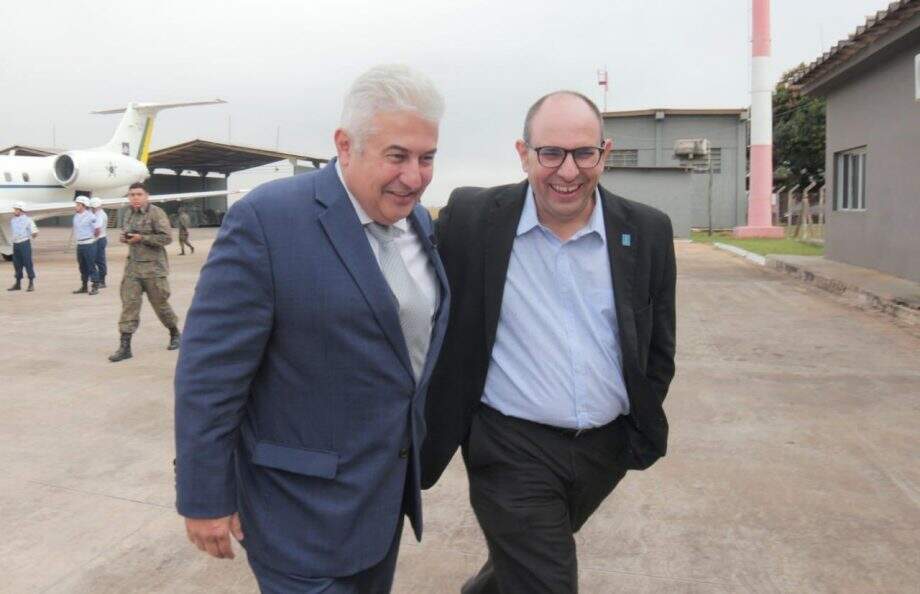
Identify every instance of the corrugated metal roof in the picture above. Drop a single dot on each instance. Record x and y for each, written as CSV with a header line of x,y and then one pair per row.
x,y
875,27
206,155
23,150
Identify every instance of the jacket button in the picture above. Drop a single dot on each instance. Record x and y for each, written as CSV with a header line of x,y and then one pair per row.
x,y
404,453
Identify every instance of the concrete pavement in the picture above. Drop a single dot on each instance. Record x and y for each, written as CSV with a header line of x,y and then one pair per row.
x,y
792,466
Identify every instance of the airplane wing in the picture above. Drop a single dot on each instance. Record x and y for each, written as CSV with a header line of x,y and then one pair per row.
x,y
38,211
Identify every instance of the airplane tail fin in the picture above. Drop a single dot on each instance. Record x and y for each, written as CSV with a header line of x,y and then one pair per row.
x,y
132,137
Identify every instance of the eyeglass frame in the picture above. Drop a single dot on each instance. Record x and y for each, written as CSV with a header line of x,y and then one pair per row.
x,y
566,153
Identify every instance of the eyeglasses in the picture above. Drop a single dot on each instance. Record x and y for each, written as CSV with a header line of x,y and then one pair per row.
x,y
585,157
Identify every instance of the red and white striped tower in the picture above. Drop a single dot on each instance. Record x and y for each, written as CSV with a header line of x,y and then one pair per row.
x,y
760,221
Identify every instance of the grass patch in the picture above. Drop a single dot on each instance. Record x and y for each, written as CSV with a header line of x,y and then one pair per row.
x,y
764,247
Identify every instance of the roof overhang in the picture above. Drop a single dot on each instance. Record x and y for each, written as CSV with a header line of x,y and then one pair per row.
x,y
666,111
883,34
205,156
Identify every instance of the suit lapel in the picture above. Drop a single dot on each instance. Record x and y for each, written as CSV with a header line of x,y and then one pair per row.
x,y
621,246
443,308
342,227
500,232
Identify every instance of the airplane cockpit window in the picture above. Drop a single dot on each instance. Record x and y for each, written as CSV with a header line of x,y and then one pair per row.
x,y
25,177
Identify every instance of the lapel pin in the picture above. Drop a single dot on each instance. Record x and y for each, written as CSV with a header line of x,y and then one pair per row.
x,y
627,240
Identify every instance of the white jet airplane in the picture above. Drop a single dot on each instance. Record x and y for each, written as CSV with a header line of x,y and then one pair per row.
x,y
48,185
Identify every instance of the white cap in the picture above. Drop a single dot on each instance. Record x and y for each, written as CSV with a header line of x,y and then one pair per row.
x,y
19,205
82,200
95,202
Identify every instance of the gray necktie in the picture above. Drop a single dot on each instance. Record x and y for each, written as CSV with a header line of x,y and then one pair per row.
x,y
414,310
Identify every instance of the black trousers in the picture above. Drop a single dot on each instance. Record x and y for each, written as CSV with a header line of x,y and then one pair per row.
x,y
532,488
86,258
22,259
102,268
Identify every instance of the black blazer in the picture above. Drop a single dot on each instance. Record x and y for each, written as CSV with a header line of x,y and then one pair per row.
x,y
475,234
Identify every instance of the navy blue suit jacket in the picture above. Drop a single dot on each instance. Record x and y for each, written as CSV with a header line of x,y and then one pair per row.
x,y
296,404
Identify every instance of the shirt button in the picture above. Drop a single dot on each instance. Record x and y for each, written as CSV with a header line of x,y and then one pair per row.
x,y
404,453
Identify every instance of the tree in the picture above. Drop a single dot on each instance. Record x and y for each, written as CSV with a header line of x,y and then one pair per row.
x,y
798,132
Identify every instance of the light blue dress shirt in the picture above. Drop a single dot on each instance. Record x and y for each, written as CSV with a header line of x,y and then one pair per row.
x,y
557,358
23,227
84,225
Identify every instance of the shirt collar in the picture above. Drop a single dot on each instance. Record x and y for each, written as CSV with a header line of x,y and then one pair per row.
x,y
595,224
402,224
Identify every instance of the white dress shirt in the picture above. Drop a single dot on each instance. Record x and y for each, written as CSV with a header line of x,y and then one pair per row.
x,y
410,248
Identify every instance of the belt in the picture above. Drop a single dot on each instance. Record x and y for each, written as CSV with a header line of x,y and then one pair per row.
x,y
565,431
86,241
26,240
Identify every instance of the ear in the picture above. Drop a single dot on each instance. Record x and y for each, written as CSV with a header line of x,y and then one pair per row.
x,y
343,146
524,153
607,147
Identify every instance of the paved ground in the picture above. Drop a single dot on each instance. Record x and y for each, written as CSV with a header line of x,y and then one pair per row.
x,y
793,465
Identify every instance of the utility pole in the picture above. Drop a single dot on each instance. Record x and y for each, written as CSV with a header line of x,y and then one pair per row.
x,y
602,81
760,215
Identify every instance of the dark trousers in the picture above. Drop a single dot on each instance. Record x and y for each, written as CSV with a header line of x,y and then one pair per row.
x,y
532,488
22,258
101,266
377,579
86,258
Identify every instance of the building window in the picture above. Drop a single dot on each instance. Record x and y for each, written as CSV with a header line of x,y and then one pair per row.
x,y
623,158
7,176
701,164
850,179
25,177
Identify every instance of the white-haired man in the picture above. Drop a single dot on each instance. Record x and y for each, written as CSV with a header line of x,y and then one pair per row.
x,y
307,352
24,231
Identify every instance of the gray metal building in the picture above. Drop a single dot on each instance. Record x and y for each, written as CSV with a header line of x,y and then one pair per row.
x,y
643,167
870,81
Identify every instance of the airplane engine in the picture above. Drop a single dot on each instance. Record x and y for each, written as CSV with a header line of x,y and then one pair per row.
x,y
91,171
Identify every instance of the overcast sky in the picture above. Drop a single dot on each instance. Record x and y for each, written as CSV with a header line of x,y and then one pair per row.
x,y
287,64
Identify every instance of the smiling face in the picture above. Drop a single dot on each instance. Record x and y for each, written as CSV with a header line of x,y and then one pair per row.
x,y
389,172
564,195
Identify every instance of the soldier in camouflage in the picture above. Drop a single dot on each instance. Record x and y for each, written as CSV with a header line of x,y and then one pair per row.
x,y
147,231
184,222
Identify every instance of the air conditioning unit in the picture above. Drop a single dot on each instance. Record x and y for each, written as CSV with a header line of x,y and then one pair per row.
x,y
688,148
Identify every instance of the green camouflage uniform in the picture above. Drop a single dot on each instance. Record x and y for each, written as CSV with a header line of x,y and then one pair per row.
x,y
184,222
146,268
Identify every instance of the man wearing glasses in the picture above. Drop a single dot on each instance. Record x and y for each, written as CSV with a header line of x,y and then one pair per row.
x,y
559,351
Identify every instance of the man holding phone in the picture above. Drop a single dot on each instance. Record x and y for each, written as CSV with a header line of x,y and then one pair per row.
x,y
147,232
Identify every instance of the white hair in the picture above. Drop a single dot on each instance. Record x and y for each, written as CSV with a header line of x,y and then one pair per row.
x,y
388,88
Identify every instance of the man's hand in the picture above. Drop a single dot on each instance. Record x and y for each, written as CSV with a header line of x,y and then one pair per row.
x,y
133,238
213,534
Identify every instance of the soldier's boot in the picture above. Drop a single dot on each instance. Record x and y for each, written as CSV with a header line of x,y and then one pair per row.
x,y
82,289
124,349
17,286
94,290
174,337
31,285
191,247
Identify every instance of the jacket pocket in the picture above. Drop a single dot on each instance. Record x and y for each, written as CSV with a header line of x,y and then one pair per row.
x,y
318,463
